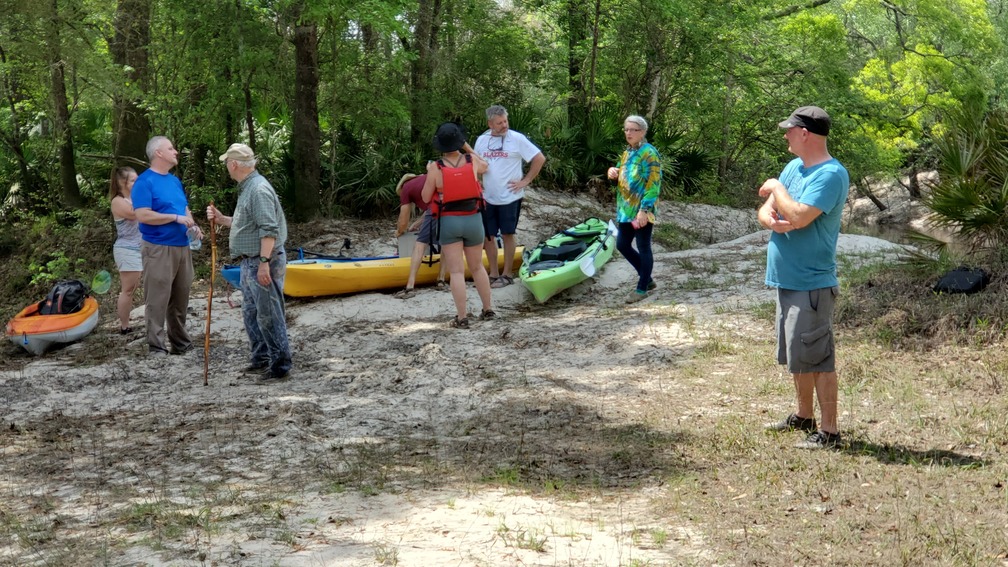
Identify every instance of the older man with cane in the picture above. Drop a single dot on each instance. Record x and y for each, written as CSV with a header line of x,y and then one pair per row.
x,y
258,234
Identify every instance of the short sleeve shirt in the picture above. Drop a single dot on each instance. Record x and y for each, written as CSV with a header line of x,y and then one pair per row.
x,y
805,259
505,157
410,192
161,193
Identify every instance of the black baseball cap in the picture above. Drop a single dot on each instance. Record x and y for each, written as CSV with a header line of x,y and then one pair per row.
x,y
811,118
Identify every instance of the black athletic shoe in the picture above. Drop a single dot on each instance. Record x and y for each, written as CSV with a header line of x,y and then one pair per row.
x,y
256,369
793,423
181,350
819,440
270,377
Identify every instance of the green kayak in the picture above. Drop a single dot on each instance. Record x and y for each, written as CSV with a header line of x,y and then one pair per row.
x,y
556,263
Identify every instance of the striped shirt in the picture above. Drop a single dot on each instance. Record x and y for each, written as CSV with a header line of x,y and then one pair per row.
x,y
257,215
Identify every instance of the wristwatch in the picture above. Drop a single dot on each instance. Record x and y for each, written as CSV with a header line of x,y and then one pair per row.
x,y
263,259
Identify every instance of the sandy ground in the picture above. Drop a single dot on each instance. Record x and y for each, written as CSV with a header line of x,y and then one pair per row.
x,y
396,440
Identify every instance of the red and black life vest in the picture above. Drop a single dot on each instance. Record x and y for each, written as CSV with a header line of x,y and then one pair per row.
x,y
461,194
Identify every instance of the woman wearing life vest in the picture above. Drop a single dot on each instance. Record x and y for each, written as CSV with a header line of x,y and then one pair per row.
x,y
453,190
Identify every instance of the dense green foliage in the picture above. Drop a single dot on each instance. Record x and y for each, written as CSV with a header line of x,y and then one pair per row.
x,y
972,197
712,77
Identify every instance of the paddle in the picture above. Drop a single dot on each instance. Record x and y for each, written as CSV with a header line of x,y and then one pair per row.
x,y
209,301
588,262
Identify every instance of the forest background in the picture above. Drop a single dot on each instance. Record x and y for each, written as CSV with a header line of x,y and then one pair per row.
x,y
340,98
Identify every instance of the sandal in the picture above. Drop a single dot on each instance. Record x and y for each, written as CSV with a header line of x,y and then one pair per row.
x,y
441,285
462,323
404,293
126,331
487,314
502,281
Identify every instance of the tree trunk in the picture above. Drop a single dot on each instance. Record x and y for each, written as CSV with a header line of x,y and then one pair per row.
x,y
577,33
61,113
198,165
249,120
306,133
421,70
131,127
865,190
914,185
724,159
594,55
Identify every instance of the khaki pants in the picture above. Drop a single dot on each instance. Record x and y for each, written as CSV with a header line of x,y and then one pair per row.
x,y
167,278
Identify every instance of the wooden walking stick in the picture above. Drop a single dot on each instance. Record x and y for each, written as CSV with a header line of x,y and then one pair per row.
x,y
209,301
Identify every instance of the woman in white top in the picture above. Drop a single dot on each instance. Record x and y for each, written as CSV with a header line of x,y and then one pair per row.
x,y
126,249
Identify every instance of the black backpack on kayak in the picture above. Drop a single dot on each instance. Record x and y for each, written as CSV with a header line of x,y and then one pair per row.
x,y
65,297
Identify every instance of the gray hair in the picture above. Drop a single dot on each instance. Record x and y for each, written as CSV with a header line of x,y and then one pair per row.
x,y
153,144
638,120
495,110
245,162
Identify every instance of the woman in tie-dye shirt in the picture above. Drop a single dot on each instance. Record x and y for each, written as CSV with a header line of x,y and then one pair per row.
x,y
639,174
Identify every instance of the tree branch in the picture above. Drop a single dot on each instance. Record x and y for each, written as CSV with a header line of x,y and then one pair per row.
x,y
114,159
796,8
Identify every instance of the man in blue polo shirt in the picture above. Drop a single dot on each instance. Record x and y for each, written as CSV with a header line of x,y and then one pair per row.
x,y
163,212
803,209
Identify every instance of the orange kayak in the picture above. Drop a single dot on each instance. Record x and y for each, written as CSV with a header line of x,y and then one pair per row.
x,y
36,333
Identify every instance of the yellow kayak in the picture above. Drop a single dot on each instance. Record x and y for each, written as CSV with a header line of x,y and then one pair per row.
x,y
320,277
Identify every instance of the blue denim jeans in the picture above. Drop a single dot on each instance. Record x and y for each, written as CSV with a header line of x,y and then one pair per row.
x,y
264,314
641,259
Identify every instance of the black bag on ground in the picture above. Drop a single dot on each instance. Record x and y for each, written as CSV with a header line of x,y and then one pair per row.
x,y
963,280
65,297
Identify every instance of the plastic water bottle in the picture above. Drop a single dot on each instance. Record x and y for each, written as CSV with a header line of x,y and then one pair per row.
x,y
194,242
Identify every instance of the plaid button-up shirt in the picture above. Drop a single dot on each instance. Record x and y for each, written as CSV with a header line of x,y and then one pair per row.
x,y
257,215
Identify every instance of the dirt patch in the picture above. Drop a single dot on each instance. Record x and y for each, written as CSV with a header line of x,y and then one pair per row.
x,y
529,439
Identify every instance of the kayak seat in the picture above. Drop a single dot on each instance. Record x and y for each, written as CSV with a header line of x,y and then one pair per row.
x,y
586,229
584,233
544,265
563,252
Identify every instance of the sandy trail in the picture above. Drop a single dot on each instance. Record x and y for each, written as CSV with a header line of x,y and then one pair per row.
x,y
525,440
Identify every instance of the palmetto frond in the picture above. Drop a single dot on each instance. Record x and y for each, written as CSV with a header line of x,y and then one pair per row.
x,y
972,196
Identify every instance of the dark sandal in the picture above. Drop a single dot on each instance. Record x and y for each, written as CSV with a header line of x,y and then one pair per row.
x,y
487,314
502,281
404,293
462,323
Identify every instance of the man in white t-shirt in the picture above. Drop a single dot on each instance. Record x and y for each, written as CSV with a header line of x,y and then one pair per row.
x,y
506,151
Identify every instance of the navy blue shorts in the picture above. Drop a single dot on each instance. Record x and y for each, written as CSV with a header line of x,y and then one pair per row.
x,y
426,225
503,218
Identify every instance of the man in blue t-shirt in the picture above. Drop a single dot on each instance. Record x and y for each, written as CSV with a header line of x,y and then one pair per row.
x,y
803,209
162,209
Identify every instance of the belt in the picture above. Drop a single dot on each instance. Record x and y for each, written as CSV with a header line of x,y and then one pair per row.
x,y
255,256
